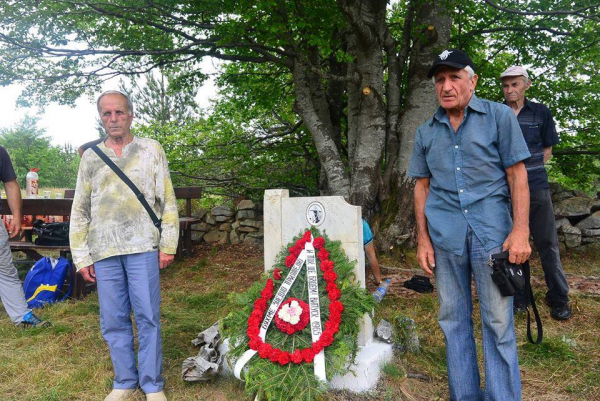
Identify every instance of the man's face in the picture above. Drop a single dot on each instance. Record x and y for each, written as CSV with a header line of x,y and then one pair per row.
x,y
514,88
454,87
115,115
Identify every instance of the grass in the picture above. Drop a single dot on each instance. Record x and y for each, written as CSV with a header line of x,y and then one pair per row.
x,y
70,362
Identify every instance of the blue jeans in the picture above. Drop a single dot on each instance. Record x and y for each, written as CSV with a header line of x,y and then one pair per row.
x,y
453,279
126,282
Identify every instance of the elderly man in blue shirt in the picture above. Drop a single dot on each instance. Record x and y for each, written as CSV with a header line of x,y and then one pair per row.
x,y
468,164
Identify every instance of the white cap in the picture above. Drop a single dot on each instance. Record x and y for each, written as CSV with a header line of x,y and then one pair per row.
x,y
515,71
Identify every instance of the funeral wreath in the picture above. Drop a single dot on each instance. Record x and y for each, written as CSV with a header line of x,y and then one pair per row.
x,y
315,304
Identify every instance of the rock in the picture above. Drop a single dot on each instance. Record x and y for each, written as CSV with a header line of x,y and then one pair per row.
x,y
247,229
234,237
235,225
594,248
209,219
246,204
591,222
251,223
581,194
575,207
200,213
561,222
222,211
590,240
561,247
251,240
220,219
243,236
554,187
258,234
216,236
585,232
245,214
225,227
202,227
560,196
572,236
197,236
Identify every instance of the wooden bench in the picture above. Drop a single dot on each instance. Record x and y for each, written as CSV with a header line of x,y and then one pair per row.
x,y
45,207
185,222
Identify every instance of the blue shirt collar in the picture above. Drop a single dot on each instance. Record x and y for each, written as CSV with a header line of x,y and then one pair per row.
x,y
474,104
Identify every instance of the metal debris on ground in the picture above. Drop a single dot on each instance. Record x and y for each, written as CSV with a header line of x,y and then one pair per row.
x,y
384,331
206,364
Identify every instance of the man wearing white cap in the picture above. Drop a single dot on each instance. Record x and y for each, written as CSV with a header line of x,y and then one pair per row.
x,y
540,134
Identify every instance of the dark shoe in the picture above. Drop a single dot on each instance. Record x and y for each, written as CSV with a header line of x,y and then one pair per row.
x,y
30,321
561,312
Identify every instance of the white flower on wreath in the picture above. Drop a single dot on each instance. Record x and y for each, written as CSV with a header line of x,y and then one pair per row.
x,y
290,312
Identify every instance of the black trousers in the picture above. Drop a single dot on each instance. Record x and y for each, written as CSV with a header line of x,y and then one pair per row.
x,y
543,230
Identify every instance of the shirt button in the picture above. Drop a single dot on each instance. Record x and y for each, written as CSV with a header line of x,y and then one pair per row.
x,y
458,168
466,211
462,190
455,146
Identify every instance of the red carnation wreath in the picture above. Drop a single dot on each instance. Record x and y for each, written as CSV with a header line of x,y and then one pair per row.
x,y
331,327
297,308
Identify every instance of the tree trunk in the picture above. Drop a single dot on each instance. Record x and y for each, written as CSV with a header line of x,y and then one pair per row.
x,y
311,104
366,102
433,24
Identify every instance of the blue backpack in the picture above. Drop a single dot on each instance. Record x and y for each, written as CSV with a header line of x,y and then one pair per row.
x,y
44,282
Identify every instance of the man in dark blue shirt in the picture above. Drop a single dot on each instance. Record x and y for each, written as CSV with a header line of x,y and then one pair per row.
x,y
540,134
468,164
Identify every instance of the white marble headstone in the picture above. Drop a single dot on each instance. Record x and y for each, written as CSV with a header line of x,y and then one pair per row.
x,y
285,218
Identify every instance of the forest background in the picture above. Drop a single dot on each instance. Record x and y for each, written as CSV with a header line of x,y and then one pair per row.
x,y
320,97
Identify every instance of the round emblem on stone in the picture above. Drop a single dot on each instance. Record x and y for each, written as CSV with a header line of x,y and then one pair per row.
x,y
315,214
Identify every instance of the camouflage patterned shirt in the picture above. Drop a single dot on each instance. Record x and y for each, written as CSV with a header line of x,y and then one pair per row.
x,y
107,219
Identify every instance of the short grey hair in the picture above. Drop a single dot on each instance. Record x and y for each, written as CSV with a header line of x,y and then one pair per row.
x,y
468,69
115,92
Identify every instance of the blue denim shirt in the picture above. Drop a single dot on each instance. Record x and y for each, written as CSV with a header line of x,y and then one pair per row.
x,y
468,185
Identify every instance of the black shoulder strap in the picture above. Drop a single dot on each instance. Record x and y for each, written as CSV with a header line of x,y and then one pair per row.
x,y
538,321
157,222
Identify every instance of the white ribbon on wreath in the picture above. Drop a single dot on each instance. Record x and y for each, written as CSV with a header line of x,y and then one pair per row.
x,y
307,255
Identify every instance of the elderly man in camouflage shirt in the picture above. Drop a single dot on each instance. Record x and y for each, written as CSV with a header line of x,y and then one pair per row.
x,y
115,243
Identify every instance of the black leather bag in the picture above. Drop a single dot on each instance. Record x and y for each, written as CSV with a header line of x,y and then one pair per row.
x,y
419,283
56,234
510,277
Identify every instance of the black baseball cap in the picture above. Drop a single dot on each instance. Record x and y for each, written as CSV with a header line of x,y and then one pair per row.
x,y
452,57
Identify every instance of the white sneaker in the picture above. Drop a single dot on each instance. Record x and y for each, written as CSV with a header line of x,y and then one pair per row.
x,y
119,395
156,396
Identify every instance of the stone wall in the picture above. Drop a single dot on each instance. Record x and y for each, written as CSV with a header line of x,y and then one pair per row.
x,y
577,219
230,225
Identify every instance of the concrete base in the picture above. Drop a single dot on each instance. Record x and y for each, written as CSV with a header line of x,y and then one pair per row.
x,y
364,373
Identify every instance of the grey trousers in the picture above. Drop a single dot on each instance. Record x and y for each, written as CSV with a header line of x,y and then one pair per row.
x,y
543,230
11,288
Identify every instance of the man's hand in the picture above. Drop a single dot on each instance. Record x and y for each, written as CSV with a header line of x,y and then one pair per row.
x,y
88,273
14,228
426,255
164,259
517,244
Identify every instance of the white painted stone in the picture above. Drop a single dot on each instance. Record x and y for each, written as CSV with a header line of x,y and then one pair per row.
x,y
285,218
366,369
272,221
